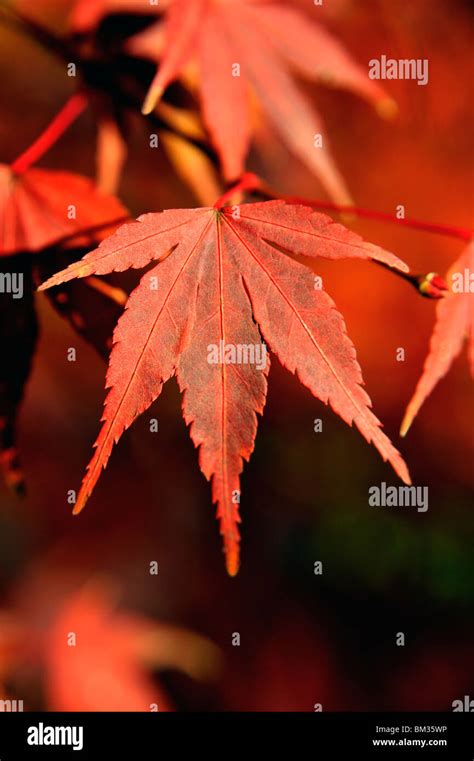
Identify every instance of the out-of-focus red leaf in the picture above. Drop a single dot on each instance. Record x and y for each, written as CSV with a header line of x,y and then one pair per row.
x,y
454,323
96,658
41,207
237,44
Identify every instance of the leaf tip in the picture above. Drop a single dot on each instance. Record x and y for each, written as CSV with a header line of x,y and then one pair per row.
x,y
80,504
387,108
401,469
152,98
232,560
406,424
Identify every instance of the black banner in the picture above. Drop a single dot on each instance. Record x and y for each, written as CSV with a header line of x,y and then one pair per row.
x,y
322,735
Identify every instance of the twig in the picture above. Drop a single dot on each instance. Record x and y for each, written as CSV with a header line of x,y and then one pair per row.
x,y
416,224
248,181
73,108
429,285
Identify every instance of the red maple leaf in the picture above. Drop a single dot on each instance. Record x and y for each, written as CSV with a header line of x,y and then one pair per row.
x,y
92,655
222,286
239,47
454,324
41,207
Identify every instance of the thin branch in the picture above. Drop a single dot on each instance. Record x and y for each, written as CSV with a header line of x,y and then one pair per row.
x,y
416,224
430,285
248,181
73,108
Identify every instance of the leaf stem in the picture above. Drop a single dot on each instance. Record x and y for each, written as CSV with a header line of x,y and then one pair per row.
x,y
248,181
61,122
417,224
430,285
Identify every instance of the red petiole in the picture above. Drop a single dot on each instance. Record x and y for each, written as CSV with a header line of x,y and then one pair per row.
x,y
61,122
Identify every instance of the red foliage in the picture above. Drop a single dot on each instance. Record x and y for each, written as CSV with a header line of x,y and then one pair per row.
x,y
222,281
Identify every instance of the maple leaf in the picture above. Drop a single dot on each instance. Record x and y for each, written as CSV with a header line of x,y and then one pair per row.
x,y
106,668
221,286
454,324
243,45
40,207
